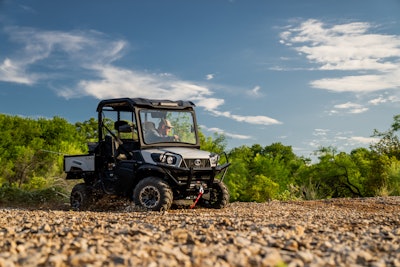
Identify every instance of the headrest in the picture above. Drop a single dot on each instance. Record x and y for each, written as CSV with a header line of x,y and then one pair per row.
x,y
118,124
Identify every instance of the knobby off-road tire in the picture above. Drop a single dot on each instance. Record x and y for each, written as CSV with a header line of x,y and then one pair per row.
x,y
217,197
80,198
152,193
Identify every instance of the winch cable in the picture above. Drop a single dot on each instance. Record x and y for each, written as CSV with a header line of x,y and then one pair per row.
x,y
201,192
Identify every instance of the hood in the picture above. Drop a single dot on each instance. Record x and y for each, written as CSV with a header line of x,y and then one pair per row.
x,y
186,153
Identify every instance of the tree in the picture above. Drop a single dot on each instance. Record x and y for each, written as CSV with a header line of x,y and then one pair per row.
x,y
389,143
276,150
272,167
30,148
263,188
362,173
216,144
392,186
258,173
238,175
89,129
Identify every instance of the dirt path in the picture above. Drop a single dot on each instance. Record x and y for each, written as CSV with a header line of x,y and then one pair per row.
x,y
345,232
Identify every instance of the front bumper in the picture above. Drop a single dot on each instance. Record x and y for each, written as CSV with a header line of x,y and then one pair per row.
x,y
187,177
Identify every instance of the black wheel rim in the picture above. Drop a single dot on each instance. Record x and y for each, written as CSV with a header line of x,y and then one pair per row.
x,y
149,197
76,200
214,195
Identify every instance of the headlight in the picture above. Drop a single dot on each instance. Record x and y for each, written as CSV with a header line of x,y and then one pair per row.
x,y
170,159
164,158
214,158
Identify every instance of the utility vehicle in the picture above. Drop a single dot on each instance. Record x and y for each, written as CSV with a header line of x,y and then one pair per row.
x,y
148,151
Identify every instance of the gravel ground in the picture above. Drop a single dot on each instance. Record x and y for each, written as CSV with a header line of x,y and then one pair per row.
x,y
340,232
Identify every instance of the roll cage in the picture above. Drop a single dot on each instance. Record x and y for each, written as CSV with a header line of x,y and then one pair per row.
x,y
136,106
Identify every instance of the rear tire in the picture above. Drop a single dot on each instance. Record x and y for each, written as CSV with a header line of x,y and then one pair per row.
x,y
152,193
217,197
80,198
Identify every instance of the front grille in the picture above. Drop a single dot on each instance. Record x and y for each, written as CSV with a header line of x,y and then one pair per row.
x,y
190,163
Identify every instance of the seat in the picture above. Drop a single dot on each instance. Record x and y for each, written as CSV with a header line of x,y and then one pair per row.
x,y
149,126
122,127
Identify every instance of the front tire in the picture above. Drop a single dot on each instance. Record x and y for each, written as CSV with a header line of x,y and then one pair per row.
x,y
80,198
217,197
152,193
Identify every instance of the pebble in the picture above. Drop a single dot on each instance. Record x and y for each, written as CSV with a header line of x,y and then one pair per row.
x,y
338,232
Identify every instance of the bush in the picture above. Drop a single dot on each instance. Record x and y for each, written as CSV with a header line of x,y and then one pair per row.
x,y
263,189
14,196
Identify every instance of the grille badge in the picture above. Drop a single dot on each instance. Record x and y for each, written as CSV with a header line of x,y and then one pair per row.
x,y
197,162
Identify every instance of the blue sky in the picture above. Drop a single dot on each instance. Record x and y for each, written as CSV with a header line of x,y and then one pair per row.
x,y
304,73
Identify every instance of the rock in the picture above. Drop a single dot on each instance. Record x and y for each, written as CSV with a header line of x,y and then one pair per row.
x,y
338,232
272,258
305,256
363,257
291,245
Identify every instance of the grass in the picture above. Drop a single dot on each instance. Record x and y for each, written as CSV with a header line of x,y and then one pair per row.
x,y
48,197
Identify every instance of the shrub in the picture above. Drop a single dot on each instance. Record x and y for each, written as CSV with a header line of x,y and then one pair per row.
x,y
14,196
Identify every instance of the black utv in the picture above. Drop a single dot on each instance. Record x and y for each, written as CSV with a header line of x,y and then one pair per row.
x,y
148,151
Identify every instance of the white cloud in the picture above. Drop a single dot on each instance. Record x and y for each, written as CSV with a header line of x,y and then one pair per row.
x,y
377,101
227,134
355,108
210,76
74,49
364,140
347,105
87,61
11,71
210,104
358,84
384,99
117,82
340,140
351,108
261,120
358,110
255,91
320,132
348,47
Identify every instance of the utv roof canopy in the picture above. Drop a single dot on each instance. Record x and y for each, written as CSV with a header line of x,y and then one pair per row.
x,y
126,104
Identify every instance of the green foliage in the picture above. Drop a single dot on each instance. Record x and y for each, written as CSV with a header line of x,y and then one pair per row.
x,y
32,164
393,183
292,193
362,173
336,175
89,129
216,144
14,196
239,175
32,148
183,122
263,189
339,176
258,173
389,143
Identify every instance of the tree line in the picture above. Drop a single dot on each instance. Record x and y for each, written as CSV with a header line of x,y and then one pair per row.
x,y
31,158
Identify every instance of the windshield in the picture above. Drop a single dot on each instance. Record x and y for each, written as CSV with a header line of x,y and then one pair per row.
x,y
160,126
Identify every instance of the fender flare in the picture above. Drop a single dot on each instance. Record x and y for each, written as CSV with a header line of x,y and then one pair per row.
x,y
149,168
154,170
